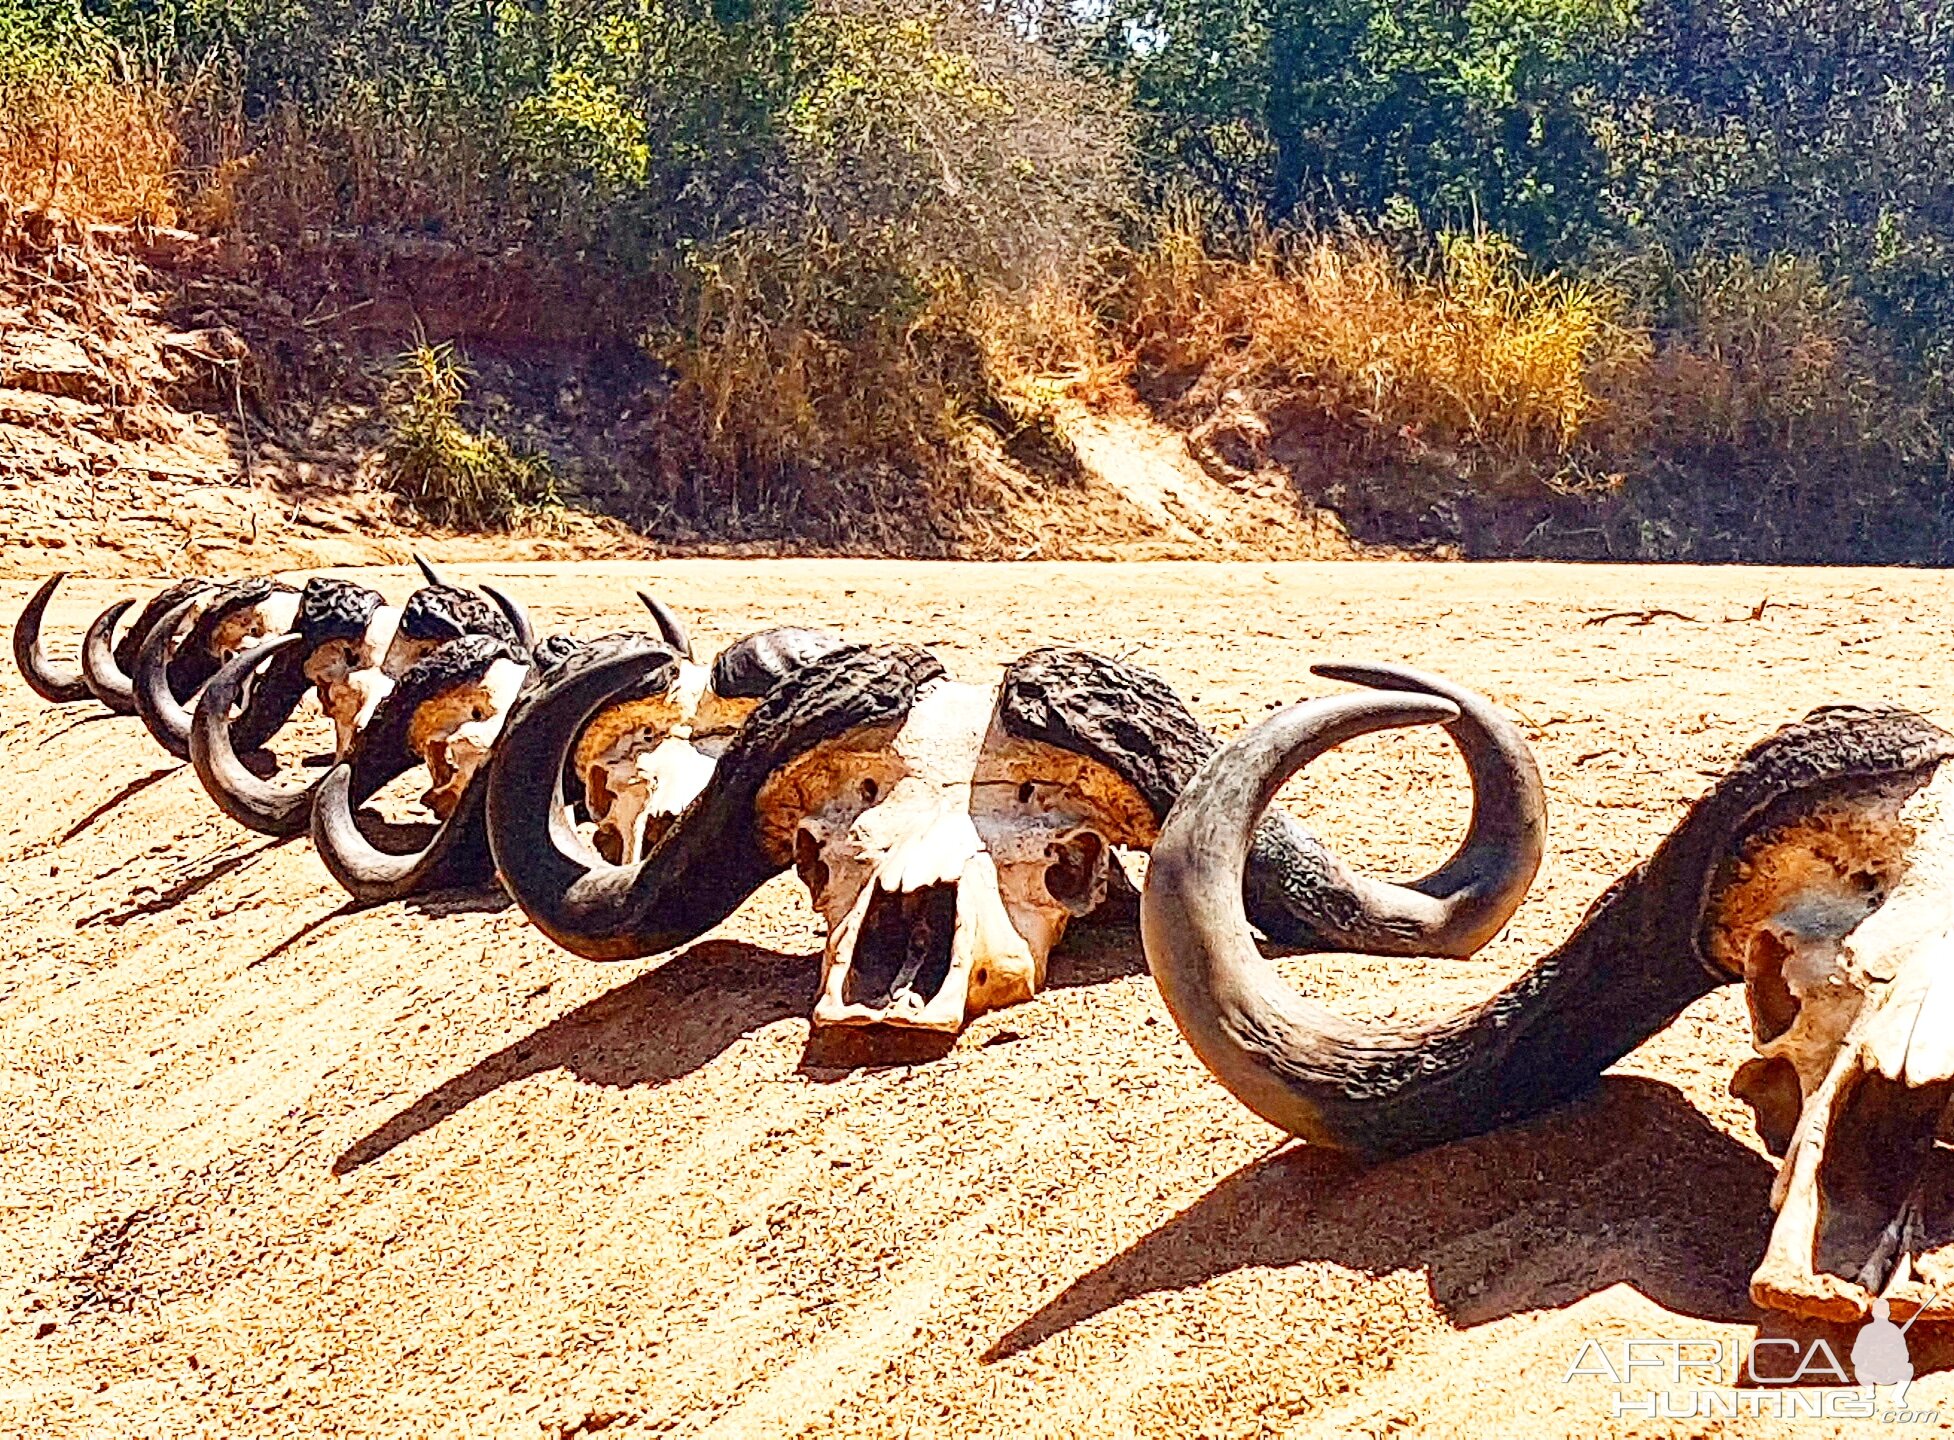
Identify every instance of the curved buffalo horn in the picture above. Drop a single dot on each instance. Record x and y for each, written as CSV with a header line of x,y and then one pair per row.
x,y
428,572
1298,892
103,676
706,864
454,856
163,715
254,803
1464,903
56,684
669,625
513,612
1631,965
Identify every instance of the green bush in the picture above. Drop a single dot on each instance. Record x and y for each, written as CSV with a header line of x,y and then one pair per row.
x,y
451,473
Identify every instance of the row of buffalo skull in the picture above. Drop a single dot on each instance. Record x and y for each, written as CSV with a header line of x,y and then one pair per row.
x,y
629,798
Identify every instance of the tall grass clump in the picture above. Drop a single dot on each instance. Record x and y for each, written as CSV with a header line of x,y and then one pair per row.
x,y
1466,353
451,472
1771,418
78,131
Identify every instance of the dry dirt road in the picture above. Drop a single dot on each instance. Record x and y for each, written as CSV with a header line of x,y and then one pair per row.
x,y
272,1167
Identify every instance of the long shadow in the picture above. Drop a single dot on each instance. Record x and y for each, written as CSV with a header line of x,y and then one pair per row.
x,y
126,793
203,873
308,929
652,1030
92,718
1632,1184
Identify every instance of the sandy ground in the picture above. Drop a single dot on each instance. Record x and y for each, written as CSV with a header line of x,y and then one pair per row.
x,y
272,1167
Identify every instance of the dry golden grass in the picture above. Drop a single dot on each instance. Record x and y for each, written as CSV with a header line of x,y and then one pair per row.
x,y
96,149
1473,353
1046,341
830,375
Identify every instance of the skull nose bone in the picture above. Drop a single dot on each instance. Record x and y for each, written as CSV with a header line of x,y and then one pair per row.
x,y
894,958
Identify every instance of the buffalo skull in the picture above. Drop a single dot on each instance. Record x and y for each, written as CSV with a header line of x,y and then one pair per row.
x,y
1819,871
1841,925
947,833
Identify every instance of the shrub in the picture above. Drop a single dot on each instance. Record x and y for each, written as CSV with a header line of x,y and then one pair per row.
x,y
1773,420
939,176
451,473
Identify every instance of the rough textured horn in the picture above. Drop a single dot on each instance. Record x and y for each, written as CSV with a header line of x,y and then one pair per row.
x,y
56,684
1297,891
711,859
669,625
513,612
162,714
552,650
428,572
254,803
749,668
1634,961
440,613
103,676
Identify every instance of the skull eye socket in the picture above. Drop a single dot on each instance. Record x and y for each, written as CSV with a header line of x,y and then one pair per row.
x,y
870,790
1074,867
807,860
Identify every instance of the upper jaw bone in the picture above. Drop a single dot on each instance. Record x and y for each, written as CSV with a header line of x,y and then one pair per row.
x,y
648,785
945,851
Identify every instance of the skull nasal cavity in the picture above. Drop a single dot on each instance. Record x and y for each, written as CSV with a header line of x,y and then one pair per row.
x,y
904,946
1885,1171
1075,864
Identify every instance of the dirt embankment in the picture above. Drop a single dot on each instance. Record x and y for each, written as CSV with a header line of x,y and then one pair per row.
x,y
169,402
273,1166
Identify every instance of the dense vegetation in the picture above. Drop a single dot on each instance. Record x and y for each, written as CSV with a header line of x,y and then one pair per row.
x,y
1667,278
